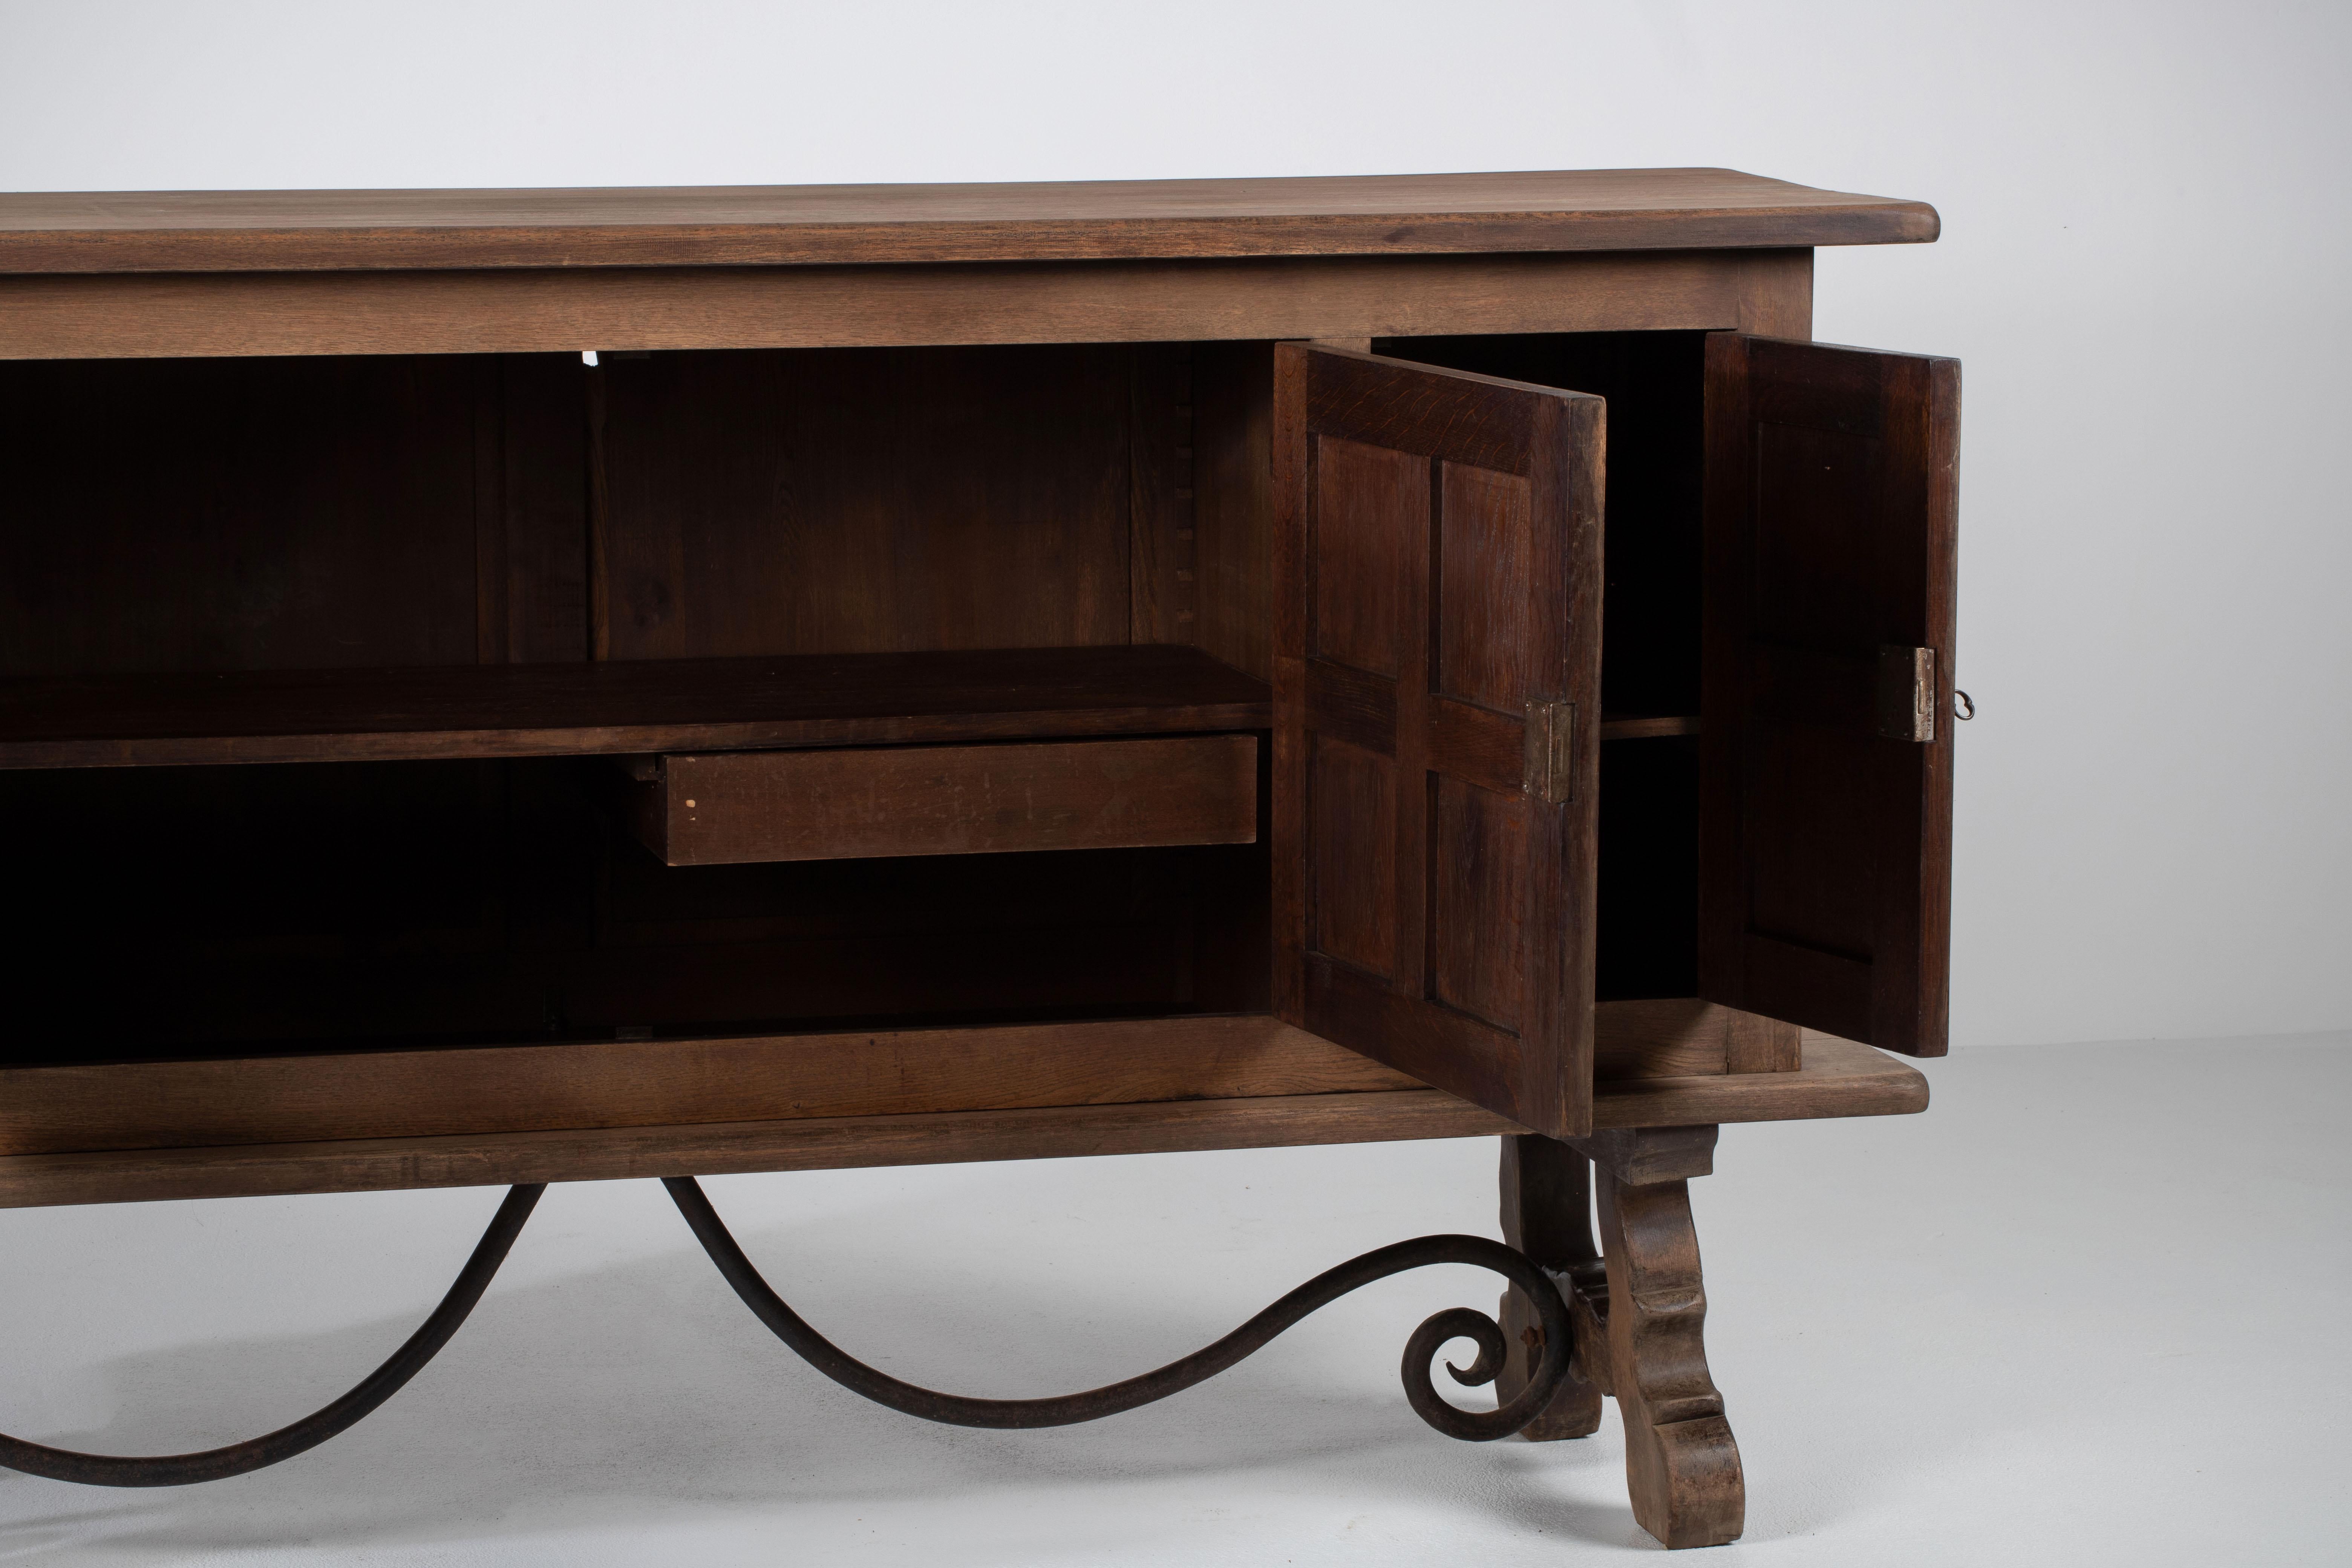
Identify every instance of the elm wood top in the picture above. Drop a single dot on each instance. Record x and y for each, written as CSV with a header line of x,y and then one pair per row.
x,y
650,705
748,226
1839,1078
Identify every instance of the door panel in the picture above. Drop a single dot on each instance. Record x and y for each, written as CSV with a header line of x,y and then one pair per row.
x,y
1359,575
1479,947
1483,655
1830,558
1351,915
1437,582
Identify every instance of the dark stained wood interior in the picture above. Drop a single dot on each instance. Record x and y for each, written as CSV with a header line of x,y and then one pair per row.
x,y
242,515
217,911
751,807
885,501
705,551
410,566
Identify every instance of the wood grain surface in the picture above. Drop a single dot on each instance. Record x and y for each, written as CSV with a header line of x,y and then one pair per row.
x,y
889,500
316,1124
1833,494
636,706
183,314
1681,1464
731,807
1437,570
1678,1036
623,1083
812,1143
1592,209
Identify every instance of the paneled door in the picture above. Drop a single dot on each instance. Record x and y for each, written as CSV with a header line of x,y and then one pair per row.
x,y
1436,690
1825,843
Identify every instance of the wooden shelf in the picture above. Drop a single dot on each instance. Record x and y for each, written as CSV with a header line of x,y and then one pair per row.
x,y
1634,727
817,1102
658,705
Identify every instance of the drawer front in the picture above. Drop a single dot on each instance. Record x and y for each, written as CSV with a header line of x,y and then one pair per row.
x,y
728,807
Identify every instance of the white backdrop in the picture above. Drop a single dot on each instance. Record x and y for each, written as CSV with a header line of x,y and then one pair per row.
x,y
2145,219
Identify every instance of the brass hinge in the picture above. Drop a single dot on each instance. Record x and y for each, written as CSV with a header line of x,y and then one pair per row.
x,y
1907,693
1549,759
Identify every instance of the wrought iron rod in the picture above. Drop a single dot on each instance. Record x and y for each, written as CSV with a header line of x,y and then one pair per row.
x,y
270,1448
1093,1405
1421,1349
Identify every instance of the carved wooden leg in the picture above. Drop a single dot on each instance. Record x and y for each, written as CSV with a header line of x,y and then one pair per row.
x,y
1639,1312
1681,1463
1547,1213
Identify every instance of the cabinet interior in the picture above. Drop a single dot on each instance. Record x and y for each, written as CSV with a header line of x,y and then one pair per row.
x,y
172,527
1650,628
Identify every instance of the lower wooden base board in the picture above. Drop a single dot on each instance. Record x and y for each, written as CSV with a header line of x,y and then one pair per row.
x,y
1838,1078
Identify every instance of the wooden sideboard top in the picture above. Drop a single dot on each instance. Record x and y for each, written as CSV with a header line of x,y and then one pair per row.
x,y
750,225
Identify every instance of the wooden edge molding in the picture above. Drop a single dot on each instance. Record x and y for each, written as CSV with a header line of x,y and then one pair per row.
x,y
178,315
584,1086
1839,1078
810,1144
1498,211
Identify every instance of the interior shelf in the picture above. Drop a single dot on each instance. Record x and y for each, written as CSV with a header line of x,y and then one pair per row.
x,y
618,708
1638,726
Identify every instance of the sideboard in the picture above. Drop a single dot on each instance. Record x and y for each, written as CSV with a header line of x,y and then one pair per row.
x,y
511,687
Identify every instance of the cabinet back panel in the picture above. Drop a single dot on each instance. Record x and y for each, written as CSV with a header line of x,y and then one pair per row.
x,y
238,514
1649,868
865,500
1233,467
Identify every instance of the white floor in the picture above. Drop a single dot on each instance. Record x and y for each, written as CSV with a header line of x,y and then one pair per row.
x,y
2089,1309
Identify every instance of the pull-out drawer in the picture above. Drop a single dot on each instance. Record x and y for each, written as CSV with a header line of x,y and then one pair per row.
x,y
723,807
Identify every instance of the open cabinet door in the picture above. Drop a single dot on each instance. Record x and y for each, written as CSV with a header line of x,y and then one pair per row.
x,y
1826,746
1437,714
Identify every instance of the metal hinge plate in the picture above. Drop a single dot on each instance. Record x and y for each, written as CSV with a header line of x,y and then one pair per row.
x,y
1907,693
1550,751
